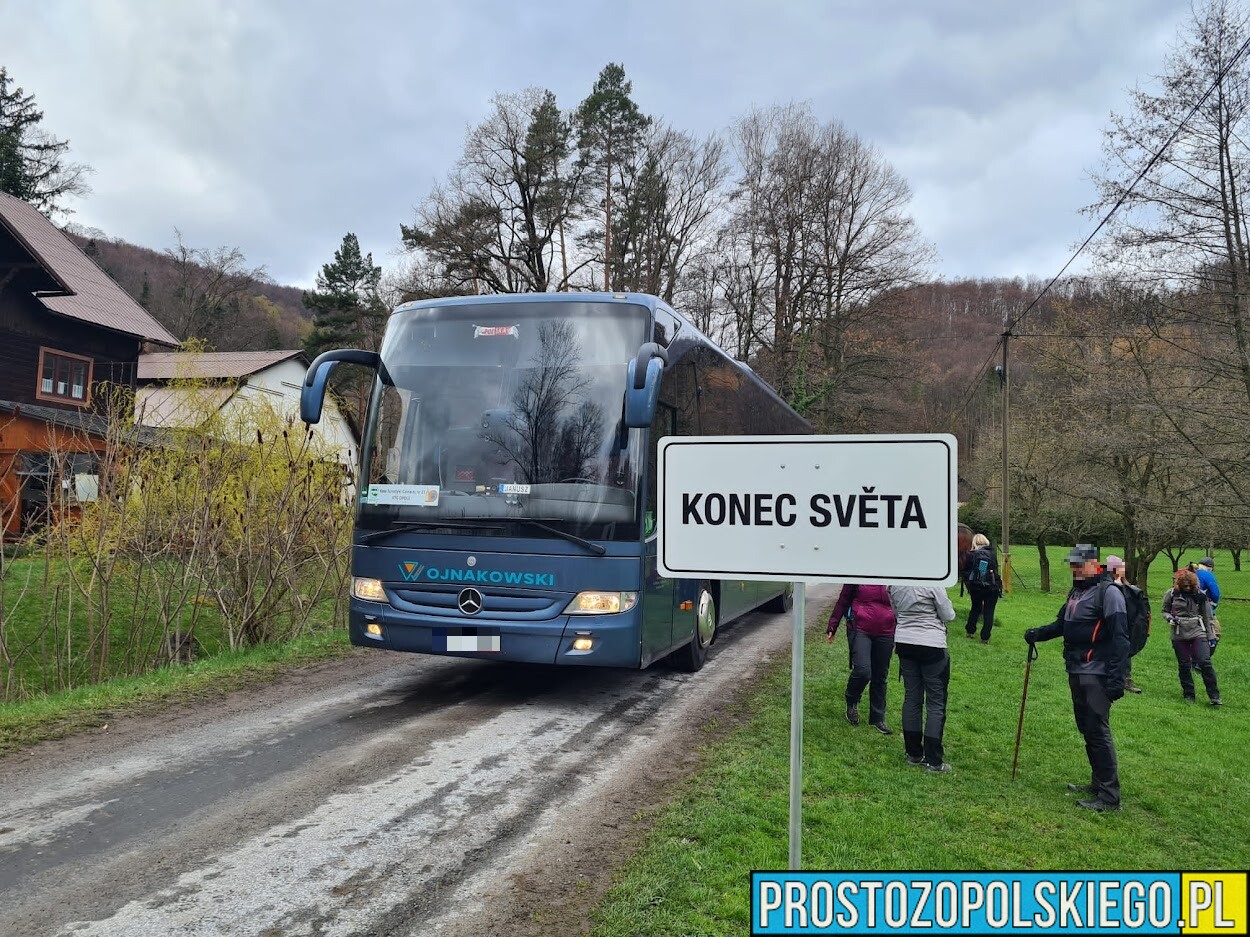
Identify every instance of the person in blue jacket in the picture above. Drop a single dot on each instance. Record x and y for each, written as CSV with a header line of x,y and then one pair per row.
x,y
1211,588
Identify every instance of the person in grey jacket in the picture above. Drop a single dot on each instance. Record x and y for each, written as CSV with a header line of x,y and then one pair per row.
x,y
922,613
1188,611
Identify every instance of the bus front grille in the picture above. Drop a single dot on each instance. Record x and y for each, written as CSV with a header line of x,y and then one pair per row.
x,y
500,604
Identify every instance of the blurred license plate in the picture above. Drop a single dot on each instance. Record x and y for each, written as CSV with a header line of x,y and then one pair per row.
x,y
460,640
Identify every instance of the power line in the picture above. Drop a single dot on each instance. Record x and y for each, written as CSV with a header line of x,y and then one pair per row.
x,y
976,379
1129,191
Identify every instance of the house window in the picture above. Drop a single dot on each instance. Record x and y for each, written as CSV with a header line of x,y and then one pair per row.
x,y
64,377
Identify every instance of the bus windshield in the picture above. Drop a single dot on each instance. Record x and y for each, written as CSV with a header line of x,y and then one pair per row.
x,y
506,412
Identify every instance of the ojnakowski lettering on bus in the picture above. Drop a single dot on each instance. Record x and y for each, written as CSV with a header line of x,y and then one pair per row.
x,y
862,509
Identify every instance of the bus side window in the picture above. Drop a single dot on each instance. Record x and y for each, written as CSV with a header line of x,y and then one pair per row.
x,y
666,327
686,400
664,424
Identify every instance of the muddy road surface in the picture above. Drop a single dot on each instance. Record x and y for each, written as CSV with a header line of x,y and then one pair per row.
x,y
381,794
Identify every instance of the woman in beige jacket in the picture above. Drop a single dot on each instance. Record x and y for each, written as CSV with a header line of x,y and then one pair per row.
x,y
1188,611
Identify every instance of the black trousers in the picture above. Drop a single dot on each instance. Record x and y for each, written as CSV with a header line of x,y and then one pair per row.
x,y
1092,708
870,667
926,673
1196,655
983,607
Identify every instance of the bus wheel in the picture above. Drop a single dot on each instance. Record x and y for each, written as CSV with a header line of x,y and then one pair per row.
x,y
783,602
691,657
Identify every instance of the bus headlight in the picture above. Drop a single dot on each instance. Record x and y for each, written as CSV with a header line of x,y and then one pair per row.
x,y
368,589
601,603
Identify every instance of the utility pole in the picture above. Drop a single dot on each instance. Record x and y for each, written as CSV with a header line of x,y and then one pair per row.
x,y
1006,385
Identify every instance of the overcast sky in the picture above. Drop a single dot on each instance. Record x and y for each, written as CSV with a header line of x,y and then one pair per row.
x,y
279,126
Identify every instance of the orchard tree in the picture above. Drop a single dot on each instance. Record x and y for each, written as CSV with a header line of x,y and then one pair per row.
x,y
1112,441
34,165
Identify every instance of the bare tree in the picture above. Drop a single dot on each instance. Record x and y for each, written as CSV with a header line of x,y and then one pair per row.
x,y
817,248
668,215
1184,236
213,286
492,226
1111,445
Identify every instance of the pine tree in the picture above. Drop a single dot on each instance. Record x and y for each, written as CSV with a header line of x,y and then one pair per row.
x,y
348,312
610,128
33,164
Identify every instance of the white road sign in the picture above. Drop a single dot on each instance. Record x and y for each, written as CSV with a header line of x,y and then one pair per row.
x,y
868,509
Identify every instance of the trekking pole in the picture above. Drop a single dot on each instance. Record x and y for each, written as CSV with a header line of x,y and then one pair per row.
x,y
1028,668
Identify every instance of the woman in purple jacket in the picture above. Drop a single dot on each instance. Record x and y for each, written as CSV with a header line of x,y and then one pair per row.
x,y
870,633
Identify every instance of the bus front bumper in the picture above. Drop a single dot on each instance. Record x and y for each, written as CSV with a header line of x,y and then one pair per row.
x,y
614,638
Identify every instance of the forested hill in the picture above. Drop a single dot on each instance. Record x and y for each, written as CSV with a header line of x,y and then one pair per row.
x,y
209,294
935,349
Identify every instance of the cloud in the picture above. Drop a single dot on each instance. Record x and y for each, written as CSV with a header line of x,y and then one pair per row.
x,y
280,127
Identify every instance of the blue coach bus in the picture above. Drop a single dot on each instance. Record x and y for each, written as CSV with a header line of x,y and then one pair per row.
x,y
508,478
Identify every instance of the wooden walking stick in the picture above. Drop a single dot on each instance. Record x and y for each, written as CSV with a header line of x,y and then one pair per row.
x,y
1028,668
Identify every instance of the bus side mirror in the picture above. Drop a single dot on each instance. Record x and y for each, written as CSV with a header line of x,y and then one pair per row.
x,y
642,388
313,394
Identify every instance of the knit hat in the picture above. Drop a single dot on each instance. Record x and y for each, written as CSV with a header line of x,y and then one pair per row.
x,y
1114,562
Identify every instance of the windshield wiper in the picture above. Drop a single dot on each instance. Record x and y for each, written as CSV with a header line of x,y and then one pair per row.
x,y
420,525
597,549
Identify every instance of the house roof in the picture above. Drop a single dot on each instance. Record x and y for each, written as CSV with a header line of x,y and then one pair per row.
x,y
86,292
213,365
84,421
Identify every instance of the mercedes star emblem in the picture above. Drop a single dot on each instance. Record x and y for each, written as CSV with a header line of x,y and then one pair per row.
x,y
470,601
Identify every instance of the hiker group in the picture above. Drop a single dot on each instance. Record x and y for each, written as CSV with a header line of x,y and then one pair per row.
x,y
1104,622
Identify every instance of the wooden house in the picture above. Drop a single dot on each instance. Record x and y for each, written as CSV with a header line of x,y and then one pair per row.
x,y
67,332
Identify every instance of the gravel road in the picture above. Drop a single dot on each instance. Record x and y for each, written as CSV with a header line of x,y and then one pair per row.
x,y
380,794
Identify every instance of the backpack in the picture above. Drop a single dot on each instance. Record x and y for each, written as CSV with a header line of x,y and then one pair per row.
x,y
1137,611
980,575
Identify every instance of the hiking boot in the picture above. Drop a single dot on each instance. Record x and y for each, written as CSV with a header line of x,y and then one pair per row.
x,y
882,728
971,635
1098,806
938,769
1081,788
852,713
1131,687
1190,699
1216,701
916,760
985,640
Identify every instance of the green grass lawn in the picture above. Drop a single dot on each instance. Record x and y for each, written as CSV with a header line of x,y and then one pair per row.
x,y
40,598
1183,768
52,685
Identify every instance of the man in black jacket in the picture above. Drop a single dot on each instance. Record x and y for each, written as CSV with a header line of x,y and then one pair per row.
x,y
1094,628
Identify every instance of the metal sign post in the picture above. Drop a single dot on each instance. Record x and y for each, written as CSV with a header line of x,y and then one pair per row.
x,y
864,509
796,726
